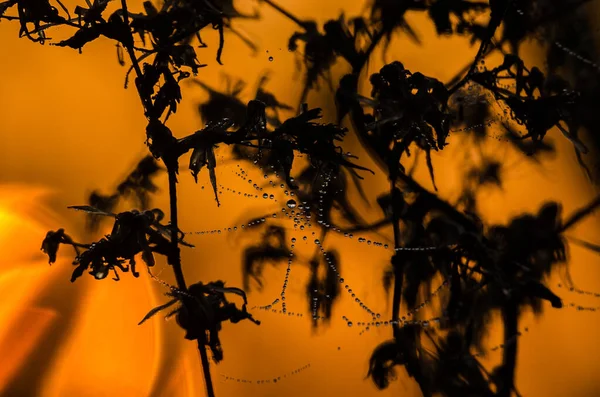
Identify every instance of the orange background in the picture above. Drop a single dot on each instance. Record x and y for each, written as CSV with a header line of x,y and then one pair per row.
x,y
68,126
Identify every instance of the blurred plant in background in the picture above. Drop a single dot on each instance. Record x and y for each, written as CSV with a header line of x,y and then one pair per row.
x,y
485,268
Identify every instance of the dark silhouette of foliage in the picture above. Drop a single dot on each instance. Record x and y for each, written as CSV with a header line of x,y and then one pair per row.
x,y
323,292
134,232
138,185
486,268
207,310
273,247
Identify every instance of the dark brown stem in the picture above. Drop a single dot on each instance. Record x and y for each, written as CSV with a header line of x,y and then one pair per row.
x,y
205,366
146,100
397,266
175,262
175,258
510,316
134,61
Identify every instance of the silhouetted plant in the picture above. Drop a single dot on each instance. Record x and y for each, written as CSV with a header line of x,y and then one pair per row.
x,y
214,309
138,185
168,31
485,268
410,108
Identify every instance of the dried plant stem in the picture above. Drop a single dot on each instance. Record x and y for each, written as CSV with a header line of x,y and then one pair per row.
x,y
175,257
205,367
396,265
175,262
510,316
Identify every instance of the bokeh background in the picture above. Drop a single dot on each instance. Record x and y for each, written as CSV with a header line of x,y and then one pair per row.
x,y
68,126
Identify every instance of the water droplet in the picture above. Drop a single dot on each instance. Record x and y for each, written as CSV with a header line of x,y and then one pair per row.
x,y
291,203
265,195
270,59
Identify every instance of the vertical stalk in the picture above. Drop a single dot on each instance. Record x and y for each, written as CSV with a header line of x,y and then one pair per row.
x,y
396,265
407,338
510,316
394,171
210,392
175,262
175,257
